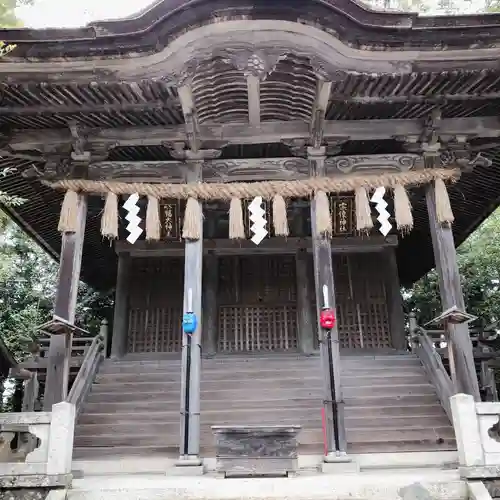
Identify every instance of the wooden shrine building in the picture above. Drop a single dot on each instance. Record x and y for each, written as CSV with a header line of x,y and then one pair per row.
x,y
174,127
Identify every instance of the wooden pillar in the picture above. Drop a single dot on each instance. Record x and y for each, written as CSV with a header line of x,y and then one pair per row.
x,y
191,344
210,306
324,284
59,358
304,312
450,290
120,318
395,301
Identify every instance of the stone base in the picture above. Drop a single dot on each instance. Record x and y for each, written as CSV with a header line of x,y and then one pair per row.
x,y
339,464
339,468
182,470
187,466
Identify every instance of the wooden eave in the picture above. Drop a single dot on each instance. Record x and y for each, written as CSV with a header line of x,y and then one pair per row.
x,y
354,24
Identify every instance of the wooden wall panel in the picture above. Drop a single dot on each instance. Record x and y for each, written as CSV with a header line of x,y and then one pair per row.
x,y
155,305
362,314
257,303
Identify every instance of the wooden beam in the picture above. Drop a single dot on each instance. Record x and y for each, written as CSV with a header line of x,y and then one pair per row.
x,y
353,244
122,107
416,99
451,293
329,344
56,388
320,106
120,318
189,112
253,86
266,132
240,169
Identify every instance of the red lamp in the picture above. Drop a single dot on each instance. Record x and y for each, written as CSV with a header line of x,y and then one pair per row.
x,y
327,319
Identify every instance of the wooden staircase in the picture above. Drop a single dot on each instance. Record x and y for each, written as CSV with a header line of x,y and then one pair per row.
x,y
390,406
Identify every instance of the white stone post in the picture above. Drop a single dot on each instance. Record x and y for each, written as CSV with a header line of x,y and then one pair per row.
x,y
467,434
62,430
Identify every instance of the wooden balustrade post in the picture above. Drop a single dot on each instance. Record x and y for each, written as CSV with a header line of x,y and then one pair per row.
x,y
412,320
450,290
59,357
104,332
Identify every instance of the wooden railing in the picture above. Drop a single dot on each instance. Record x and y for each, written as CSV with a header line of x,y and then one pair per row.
x,y
431,360
424,342
94,356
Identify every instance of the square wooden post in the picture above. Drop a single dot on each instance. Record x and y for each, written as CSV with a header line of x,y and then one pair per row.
x,y
304,310
450,290
395,301
210,306
189,453
59,358
323,277
121,312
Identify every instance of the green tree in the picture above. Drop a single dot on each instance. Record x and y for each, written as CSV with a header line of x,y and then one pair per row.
x,y
8,18
479,263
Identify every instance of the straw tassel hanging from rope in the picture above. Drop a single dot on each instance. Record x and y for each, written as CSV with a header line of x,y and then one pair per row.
x,y
68,220
236,224
280,219
402,209
323,217
364,221
153,224
444,213
109,219
192,229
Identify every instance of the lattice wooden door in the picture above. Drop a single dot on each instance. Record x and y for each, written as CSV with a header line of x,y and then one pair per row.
x,y
257,303
362,314
155,305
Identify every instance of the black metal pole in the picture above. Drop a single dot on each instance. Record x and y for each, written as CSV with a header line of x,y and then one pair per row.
x,y
335,415
186,396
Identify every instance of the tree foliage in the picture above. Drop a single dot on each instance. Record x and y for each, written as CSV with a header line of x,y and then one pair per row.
x,y
479,263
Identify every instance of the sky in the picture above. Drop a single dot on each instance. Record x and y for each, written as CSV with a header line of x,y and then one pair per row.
x,y
76,13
